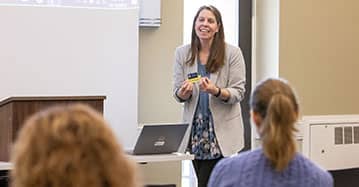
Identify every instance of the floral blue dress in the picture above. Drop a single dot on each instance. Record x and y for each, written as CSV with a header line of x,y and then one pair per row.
x,y
203,142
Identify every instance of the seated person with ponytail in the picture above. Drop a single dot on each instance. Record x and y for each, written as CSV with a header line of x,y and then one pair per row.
x,y
274,110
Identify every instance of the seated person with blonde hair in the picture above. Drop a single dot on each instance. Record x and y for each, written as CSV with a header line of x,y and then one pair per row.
x,y
68,146
274,110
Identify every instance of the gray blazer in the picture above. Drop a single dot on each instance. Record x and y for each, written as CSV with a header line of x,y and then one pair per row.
x,y
227,117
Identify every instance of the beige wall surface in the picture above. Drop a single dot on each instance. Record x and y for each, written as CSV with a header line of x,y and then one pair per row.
x,y
319,54
156,50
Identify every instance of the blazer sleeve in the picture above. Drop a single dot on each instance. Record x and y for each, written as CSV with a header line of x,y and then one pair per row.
x,y
178,72
237,76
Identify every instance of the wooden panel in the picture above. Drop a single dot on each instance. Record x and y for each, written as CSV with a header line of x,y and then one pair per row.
x,y
14,111
5,131
24,109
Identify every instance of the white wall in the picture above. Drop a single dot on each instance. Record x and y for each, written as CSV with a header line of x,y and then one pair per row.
x,y
49,51
265,40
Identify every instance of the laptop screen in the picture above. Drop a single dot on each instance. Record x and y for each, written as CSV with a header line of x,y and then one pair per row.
x,y
160,139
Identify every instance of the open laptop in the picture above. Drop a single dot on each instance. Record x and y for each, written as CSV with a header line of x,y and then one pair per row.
x,y
159,139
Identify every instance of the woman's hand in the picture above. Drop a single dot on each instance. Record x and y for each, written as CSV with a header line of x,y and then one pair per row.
x,y
207,86
186,90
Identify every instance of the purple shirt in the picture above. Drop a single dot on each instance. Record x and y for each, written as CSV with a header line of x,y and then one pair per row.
x,y
253,169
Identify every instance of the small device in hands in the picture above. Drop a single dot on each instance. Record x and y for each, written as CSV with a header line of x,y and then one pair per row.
x,y
193,77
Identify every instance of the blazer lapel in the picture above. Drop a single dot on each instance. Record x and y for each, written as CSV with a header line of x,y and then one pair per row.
x,y
214,77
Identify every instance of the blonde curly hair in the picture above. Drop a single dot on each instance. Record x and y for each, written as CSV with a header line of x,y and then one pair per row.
x,y
70,146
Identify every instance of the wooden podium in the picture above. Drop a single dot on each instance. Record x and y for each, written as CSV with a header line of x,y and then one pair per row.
x,y
15,110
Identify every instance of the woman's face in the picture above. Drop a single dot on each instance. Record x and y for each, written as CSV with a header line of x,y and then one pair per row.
x,y
206,25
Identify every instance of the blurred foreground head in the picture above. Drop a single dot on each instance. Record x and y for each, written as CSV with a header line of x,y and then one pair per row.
x,y
70,146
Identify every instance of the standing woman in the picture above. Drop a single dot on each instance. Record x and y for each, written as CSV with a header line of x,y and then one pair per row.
x,y
211,104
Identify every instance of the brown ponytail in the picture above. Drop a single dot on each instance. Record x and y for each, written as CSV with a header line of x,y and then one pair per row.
x,y
275,102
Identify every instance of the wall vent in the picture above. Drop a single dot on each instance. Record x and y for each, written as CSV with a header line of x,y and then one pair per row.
x,y
331,141
338,135
346,135
356,134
